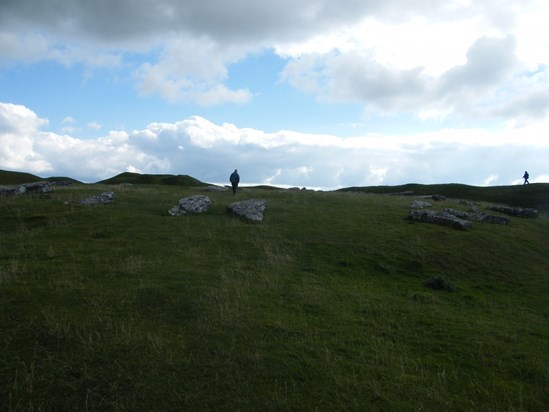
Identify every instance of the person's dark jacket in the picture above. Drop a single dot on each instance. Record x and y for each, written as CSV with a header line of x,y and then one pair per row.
x,y
235,178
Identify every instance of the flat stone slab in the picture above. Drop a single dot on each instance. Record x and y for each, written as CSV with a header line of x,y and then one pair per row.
x,y
478,216
516,211
102,199
439,218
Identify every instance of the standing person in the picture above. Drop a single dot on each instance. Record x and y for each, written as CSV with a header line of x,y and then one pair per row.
x,y
526,177
234,179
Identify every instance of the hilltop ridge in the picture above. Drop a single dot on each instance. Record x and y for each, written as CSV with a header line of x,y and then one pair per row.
x,y
148,179
535,195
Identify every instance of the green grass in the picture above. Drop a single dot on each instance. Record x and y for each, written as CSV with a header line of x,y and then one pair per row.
x,y
322,306
535,195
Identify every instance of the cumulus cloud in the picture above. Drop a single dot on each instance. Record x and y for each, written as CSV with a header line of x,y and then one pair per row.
x,y
191,70
18,128
208,151
385,55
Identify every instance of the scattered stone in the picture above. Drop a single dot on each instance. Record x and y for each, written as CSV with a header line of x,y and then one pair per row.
x,y
31,188
418,204
251,209
102,199
458,213
62,183
440,218
516,211
469,203
6,191
486,218
213,188
438,198
190,205
38,187
478,216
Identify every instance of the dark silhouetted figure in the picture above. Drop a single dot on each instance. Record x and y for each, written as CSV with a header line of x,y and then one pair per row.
x,y
526,177
234,179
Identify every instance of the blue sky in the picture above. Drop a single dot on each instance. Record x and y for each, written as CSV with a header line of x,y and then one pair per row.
x,y
320,94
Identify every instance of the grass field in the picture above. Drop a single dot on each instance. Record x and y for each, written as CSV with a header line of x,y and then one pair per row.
x,y
322,306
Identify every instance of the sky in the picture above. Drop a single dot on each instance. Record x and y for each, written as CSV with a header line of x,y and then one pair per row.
x,y
312,93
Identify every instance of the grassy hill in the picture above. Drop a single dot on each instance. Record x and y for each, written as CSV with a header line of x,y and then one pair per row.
x,y
322,306
15,178
534,195
146,179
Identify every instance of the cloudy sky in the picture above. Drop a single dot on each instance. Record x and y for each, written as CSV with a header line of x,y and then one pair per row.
x,y
315,93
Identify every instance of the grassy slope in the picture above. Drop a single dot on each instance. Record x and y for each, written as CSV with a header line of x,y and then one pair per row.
x,y
320,307
14,178
535,195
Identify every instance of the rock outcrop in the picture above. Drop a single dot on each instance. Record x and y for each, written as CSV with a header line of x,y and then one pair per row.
x,y
478,216
213,188
516,211
440,218
419,204
251,209
32,188
191,205
102,199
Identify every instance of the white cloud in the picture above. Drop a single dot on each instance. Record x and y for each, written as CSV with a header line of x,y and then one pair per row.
x,y
18,128
207,151
191,70
376,53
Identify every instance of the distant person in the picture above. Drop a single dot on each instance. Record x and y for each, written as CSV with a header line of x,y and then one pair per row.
x,y
234,179
526,177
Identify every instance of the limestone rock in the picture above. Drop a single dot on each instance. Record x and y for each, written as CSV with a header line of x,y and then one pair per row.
x,y
102,199
32,188
419,204
37,187
498,220
478,216
516,211
213,188
11,190
190,205
469,203
440,218
251,209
